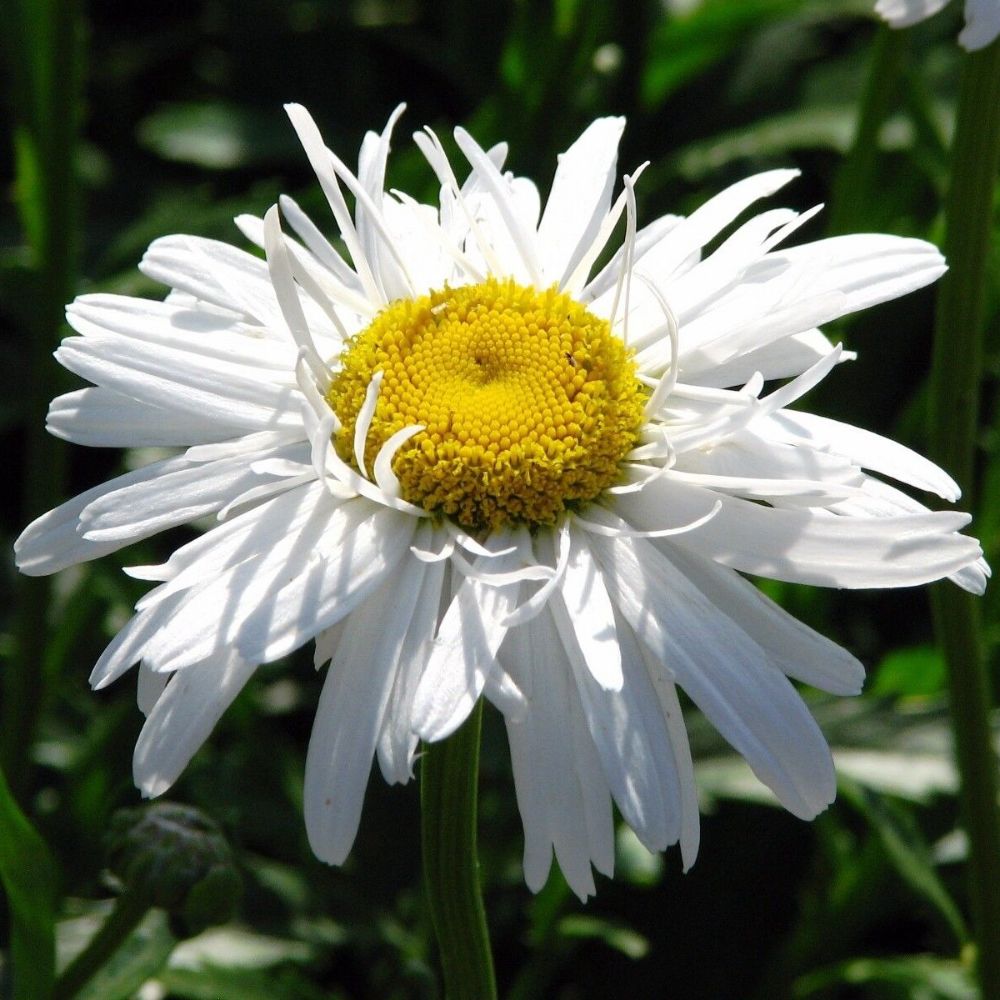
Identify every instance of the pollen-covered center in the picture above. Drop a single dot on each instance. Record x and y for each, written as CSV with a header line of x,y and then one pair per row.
x,y
529,402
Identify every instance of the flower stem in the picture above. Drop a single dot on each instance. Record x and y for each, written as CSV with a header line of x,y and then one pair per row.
x,y
448,792
954,411
129,910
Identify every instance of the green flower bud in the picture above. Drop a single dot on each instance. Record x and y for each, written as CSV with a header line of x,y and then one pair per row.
x,y
178,859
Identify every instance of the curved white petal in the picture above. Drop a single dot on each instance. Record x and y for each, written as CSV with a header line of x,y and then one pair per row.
x,y
356,695
750,702
797,546
562,794
579,199
464,651
183,716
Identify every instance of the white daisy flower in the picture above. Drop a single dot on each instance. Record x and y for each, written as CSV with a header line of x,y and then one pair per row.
x,y
468,463
982,18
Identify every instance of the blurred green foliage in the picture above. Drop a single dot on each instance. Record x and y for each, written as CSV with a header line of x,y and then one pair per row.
x,y
182,129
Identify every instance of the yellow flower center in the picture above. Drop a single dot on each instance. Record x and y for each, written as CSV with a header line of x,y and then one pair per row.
x,y
529,402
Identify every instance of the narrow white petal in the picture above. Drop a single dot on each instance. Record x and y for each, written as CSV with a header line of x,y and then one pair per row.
x,y
798,546
356,695
579,199
141,509
903,13
750,702
54,541
631,742
464,651
182,718
591,615
102,418
269,605
236,395
561,792
397,741
670,707
982,24
794,648
868,450
128,646
680,242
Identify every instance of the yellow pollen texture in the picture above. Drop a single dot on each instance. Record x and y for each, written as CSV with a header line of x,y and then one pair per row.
x,y
529,402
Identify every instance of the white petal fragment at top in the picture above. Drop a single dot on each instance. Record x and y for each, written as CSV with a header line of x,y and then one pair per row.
x,y
982,18
439,457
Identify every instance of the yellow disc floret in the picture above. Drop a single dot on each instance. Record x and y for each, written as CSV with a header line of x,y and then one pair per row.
x,y
529,402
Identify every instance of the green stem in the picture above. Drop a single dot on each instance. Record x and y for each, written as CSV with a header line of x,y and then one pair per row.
x,y
129,910
448,790
857,183
954,413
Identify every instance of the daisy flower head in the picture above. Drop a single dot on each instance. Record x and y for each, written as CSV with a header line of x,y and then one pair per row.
x,y
982,18
468,462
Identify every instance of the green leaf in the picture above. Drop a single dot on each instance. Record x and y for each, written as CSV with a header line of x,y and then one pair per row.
x,y
623,939
143,954
685,46
908,852
916,977
215,136
229,963
28,877
917,671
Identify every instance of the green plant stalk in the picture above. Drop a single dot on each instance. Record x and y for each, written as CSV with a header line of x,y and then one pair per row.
x,y
857,183
954,411
448,794
129,910
45,49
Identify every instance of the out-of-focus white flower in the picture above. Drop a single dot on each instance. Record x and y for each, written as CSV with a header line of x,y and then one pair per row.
x,y
982,18
468,462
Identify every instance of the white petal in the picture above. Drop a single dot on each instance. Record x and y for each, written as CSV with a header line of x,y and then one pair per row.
x,y
794,648
196,328
102,418
229,392
356,694
591,615
561,792
129,644
149,686
868,450
682,241
579,199
982,24
216,273
142,509
397,741
182,718
53,541
802,547
241,538
631,742
751,703
268,606
903,13
670,707
464,652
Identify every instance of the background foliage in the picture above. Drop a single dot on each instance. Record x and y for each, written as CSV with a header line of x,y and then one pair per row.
x,y
182,128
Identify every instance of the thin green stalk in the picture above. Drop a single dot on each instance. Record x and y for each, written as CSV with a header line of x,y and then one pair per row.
x,y
45,43
954,411
448,792
857,183
129,910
